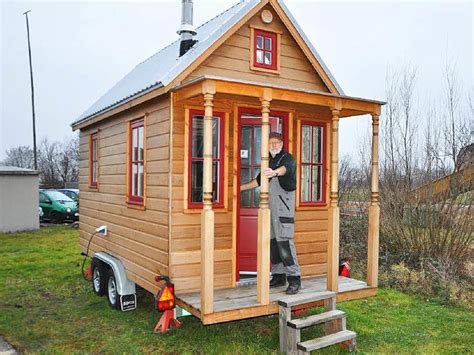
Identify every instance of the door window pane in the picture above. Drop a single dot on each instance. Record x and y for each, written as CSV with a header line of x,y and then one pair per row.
x,y
256,191
246,146
257,134
245,196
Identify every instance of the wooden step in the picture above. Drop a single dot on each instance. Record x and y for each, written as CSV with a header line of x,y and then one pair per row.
x,y
303,298
326,340
315,319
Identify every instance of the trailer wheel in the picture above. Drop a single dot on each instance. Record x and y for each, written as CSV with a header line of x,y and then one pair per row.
x,y
112,295
98,277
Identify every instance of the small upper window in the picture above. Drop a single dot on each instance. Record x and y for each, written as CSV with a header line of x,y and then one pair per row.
x,y
93,161
265,50
136,171
312,163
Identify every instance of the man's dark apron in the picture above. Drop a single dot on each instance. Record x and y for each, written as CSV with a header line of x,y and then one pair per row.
x,y
282,245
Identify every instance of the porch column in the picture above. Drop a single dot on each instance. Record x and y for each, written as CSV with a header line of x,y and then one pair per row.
x,y
263,247
207,214
333,237
374,209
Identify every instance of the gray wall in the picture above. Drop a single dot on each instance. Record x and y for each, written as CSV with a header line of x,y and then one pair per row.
x,y
18,203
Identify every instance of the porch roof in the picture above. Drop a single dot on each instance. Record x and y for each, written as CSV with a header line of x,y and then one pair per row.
x,y
348,105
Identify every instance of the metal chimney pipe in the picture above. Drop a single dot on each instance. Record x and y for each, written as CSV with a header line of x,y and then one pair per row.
x,y
186,31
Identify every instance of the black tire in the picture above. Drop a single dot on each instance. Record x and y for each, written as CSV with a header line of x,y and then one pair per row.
x,y
55,217
112,295
98,277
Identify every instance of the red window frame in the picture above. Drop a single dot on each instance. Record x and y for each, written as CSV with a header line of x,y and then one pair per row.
x,y
220,178
132,198
322,164
273,50
93,160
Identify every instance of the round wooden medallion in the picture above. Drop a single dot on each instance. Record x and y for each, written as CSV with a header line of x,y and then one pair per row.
x,y
267,16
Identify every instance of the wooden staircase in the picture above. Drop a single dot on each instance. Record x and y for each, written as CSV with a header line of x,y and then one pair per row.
x,y
334,324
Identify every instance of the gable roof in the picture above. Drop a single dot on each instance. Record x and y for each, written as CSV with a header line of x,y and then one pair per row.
x,y
165,66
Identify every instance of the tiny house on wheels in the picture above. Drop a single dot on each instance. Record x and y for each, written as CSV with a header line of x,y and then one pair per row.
x,y
163,155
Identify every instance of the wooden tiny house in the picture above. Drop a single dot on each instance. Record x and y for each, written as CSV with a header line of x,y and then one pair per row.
x,y
164,152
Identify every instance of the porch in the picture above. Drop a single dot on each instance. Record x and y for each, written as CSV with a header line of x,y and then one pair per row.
x,y
319,225
241,302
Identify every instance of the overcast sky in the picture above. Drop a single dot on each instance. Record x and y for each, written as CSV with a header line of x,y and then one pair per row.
x,y
82,48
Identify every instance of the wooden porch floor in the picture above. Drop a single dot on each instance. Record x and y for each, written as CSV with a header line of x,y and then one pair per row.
x,y
241,302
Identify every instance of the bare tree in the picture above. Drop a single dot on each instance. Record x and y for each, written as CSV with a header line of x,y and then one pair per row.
x,y
48,163
456,127
21,157
68,160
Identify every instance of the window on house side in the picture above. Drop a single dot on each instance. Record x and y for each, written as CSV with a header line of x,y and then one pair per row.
x,y
196,159
265,50
93,160
137,160
312,161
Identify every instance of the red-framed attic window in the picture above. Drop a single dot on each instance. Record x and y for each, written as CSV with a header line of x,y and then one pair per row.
x,y
136,173
196,159
265,50
313,137
93,161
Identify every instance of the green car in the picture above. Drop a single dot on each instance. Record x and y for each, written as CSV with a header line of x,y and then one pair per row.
x,y
57,207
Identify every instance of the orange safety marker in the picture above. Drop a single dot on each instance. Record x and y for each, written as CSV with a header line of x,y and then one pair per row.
x,y
88,273
166,322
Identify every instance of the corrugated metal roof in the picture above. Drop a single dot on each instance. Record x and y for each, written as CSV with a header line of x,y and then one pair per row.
x,y
163,67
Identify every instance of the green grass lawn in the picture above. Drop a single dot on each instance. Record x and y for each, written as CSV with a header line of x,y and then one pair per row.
x,y
46,306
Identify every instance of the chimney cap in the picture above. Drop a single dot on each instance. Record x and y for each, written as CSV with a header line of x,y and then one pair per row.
x,y
186,27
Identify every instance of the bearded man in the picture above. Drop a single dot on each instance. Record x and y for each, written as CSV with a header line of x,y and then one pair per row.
x,y
282,186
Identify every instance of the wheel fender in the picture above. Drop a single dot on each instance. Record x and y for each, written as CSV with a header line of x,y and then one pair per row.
x,y
124,285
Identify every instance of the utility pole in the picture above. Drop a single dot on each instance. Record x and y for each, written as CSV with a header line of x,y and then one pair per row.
x,y
32,90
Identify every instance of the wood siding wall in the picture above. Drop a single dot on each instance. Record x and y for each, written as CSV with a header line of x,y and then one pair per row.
x,y
232,59
311,223
139,237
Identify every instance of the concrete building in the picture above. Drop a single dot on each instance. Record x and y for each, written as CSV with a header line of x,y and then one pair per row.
x,y
18,199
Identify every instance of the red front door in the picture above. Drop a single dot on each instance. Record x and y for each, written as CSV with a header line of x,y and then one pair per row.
x,y
249,155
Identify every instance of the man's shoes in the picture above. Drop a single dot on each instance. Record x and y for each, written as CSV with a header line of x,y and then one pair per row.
x,y
278,280
294,285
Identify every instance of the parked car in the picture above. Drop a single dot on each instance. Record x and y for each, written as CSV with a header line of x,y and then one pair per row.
x,y
71,193
57,207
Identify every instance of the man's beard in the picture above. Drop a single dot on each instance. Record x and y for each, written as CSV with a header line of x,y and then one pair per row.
x,y
275,152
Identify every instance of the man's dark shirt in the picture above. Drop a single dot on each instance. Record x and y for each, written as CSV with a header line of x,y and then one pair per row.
x,y
287,181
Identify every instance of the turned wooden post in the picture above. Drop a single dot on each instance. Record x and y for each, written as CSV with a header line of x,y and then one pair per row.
x,y
374,209
207,214
333,242
263,247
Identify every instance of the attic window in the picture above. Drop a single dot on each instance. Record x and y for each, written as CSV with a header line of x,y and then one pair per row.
x,y
265,50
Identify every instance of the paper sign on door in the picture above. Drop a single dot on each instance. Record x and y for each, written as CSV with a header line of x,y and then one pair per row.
x,y
244,154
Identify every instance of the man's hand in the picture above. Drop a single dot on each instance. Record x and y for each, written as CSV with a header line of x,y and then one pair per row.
x,y
269,172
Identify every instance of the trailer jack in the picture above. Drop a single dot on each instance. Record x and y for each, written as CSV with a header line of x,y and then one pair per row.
x,y
166,322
